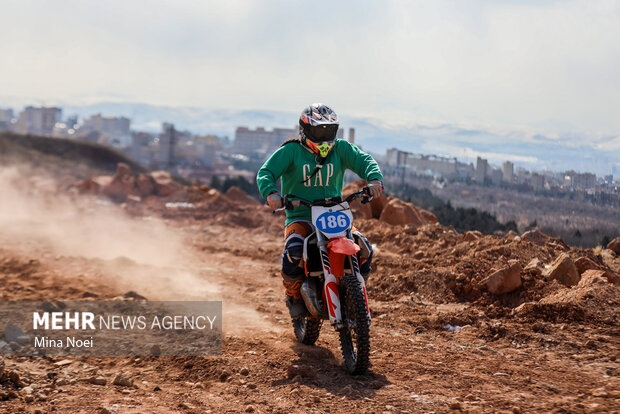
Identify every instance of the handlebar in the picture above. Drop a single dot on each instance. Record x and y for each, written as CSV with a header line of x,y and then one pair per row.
x,y
291,201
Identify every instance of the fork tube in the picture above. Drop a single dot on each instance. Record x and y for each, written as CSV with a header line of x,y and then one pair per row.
x,y
330,288
356,268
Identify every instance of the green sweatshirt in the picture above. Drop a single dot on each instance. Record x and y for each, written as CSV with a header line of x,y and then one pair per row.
x,y
294,164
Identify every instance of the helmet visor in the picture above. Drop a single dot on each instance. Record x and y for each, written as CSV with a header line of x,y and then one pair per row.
x,y
320,133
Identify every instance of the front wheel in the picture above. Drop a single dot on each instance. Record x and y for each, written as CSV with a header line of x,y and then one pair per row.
x,y
307,329
355,336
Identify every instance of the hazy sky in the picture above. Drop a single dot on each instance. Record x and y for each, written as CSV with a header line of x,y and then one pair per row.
x,y
548,64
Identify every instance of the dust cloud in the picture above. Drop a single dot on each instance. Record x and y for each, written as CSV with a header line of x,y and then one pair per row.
x,y
137,253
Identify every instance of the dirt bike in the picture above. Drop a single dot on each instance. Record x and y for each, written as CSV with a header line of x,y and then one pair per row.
x,y
334,288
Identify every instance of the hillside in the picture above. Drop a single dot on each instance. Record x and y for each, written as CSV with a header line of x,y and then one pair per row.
x,y
61,157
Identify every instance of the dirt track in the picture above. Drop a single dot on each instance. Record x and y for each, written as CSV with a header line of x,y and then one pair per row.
x,y
497,361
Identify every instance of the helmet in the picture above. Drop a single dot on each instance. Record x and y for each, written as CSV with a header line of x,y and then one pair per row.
x,y
319,125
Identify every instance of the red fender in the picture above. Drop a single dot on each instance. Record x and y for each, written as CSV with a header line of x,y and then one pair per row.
x,y
339,248
343,245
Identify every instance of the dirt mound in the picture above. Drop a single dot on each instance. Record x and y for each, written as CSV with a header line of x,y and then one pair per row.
x,y
125,184
593,298
237,195
390,210
437,264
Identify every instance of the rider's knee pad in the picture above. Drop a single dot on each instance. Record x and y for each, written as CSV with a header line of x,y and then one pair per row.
x,y
365,253
292,255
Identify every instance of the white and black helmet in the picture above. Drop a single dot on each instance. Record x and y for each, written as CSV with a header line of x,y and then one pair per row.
x,y
319,126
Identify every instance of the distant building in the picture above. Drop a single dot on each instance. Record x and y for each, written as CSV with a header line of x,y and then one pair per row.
x,y
395,157
6,115
495,175
436,165
538,182
482,166
38,121
260,142
579,181
113,130
507,171
167,143
352,135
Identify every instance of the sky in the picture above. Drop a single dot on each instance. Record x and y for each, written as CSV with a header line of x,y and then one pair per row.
x,y
552,66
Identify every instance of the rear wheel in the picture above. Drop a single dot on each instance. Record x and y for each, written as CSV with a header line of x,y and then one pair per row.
x,y
355,336
307,329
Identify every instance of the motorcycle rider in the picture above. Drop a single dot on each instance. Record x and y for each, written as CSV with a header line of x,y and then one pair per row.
x,y
312,167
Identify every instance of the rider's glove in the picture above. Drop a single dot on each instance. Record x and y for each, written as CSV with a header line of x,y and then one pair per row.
x,y
275,201
375,187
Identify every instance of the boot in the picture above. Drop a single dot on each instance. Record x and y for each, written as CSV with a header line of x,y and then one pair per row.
x,y
296,307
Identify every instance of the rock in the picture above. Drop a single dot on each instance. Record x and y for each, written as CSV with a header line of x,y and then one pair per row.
x,y
27,390
12,332
398,212
107,410
598,276
472,235
123,183
249,409
536,236
224,375
418,254
122,381
584,263
13,377
456,406
63,363
244,371
533,265
369,210
304,371
563,270
145,186
505,280
164,184
156,388
99,380
614,245
29,398
4,347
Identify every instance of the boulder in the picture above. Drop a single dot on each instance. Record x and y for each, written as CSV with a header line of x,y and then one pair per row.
x,y
584,263
614,245
563,270
145,186
123,183
504,280
369,210
400,212
164,184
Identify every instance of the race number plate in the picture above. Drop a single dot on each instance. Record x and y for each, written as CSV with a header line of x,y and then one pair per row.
x,y
332,221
